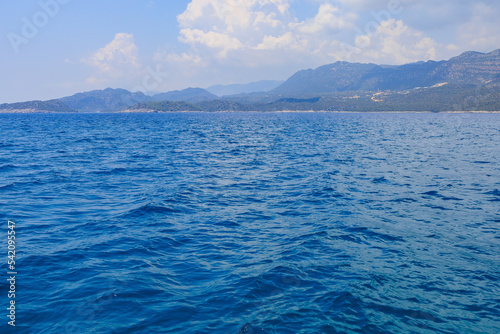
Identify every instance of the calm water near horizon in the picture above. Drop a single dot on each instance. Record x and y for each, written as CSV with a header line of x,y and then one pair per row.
x,y
252,222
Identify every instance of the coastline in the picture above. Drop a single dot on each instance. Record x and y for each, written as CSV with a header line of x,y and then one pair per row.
x,y
151,111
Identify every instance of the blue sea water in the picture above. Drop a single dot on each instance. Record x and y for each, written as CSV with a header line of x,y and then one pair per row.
x,y
252,222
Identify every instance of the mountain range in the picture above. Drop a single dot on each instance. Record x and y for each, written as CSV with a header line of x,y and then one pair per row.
x,y
432,85
469,68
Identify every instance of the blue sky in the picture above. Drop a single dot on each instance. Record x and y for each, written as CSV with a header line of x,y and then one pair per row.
x,y
55,48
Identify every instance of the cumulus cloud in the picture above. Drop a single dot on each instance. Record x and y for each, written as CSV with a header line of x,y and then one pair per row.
x,y
254,39
329,18
245,30
117,60
275,42
232,17
231,24
392,42
211,39
237,29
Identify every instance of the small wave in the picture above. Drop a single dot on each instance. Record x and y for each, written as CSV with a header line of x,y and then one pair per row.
x,y
438,207
374,158
446,198
494,192
226,223
379,180
374,235
434,193
349,238
150,209
83,140
344,161
7,168
8,186
113,171
404,200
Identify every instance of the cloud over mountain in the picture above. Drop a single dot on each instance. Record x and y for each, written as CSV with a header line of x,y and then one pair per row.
x,y
118,60
267,36
157,46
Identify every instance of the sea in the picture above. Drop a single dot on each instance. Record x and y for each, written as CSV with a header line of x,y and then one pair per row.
x,y
246,223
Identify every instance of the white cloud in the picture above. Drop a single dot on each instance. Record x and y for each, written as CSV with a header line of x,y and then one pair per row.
x,y
232,23
237,29
243,40
392,42
329,18
272,42
213,40
232,15
231,30
117,60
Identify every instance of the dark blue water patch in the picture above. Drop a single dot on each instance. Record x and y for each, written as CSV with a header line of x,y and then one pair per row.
x,y
495,195
7,167
379,180
434,193
148,210
262,223
494,192
404,200
438,207
9,186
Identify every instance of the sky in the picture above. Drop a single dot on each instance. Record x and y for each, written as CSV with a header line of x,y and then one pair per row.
x,y
55,48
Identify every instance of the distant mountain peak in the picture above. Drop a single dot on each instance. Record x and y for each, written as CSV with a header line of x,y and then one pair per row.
x,y
109,99
473,55
467,55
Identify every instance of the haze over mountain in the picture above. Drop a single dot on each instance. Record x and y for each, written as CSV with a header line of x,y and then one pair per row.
x,y
36,106
56,48
191,95
103,100
109,99
338,86
253,87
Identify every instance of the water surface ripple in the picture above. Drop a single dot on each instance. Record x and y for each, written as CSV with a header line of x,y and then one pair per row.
x,y
253,222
